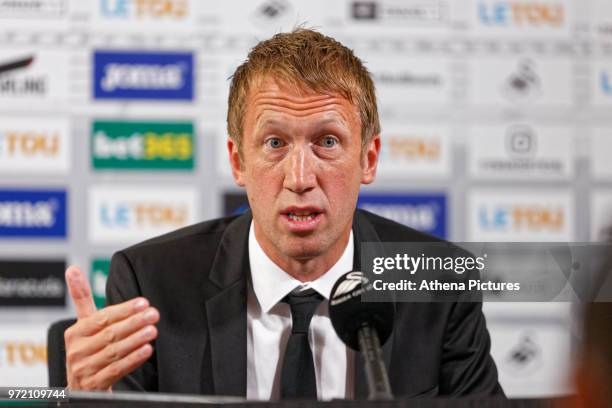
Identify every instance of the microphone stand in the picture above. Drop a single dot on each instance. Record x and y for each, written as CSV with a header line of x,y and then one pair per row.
x,y
376,373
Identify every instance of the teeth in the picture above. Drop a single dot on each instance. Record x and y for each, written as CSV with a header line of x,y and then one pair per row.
x,y
305,217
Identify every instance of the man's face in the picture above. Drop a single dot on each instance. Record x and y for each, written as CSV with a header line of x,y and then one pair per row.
x,y
302,167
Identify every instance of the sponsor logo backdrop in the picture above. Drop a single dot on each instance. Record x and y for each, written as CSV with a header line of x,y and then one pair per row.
x,y
32,283
495,126
39,145
23,354
142,145
33,213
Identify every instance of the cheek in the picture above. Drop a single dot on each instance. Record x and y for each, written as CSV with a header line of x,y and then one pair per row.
x,y
259,194
262,195
341,184
261,168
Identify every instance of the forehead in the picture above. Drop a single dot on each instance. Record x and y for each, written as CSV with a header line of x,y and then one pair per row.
x,y
270,98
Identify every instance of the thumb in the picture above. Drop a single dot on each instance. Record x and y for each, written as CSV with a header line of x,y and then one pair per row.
x,y
79,289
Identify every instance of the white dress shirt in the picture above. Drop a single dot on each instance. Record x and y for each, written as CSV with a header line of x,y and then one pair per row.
x,y
269,327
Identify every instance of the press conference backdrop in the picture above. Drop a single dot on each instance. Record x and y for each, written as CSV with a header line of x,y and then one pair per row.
x,y
496,127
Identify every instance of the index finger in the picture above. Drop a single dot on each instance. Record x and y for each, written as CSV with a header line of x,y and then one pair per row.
x,y
80,291
110,315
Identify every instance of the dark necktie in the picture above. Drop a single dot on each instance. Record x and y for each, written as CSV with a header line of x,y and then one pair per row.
x,y
298,373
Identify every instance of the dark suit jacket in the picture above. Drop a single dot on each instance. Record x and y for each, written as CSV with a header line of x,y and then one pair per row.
x,y
197,278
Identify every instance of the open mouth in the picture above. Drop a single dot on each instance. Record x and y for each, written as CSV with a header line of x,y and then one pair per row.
x,y
302,217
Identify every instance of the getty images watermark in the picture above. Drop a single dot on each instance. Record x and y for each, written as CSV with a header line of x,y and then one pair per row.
x,y
474,271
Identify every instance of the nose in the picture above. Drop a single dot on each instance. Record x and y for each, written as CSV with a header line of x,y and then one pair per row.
x,y
300,176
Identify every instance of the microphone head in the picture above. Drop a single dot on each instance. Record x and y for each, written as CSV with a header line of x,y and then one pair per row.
x,y
348,313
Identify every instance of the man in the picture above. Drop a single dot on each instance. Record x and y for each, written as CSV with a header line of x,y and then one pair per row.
x,y
225,302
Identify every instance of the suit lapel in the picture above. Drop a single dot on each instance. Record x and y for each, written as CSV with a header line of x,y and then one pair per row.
x,y
363,231
226,309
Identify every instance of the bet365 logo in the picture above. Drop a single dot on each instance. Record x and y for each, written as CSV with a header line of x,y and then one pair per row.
x,y
142,145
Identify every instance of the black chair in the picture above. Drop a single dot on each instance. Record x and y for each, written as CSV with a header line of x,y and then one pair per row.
x,y
56,353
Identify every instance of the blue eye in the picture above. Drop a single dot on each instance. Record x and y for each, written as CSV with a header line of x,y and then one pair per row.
x,y
274,142
329,141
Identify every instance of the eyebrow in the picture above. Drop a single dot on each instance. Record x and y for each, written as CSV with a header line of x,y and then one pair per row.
x,y
280,124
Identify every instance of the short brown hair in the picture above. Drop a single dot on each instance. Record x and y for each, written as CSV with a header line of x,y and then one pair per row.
x,y
308,60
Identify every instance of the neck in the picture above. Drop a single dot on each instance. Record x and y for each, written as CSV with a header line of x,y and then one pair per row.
x,y
305,269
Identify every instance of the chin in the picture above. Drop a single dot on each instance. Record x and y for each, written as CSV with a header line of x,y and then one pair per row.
x,y
303,248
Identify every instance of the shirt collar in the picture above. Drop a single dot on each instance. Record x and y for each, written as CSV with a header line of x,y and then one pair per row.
x,y
271,284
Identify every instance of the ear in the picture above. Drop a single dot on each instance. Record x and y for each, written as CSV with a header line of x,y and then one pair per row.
x,y
370,160
235,162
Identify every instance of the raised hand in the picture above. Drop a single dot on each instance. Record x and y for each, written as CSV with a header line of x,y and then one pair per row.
x,y
105,345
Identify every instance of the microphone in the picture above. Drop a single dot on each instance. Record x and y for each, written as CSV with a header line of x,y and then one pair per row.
x,y
364,327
